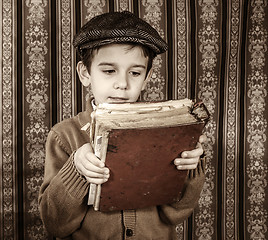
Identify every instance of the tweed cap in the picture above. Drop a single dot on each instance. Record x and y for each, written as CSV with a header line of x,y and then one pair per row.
x,y
118,27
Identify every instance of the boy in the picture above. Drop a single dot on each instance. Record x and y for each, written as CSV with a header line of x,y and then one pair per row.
x,y
117,50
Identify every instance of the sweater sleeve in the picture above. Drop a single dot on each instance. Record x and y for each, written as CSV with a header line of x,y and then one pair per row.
x,y
183,208
62,194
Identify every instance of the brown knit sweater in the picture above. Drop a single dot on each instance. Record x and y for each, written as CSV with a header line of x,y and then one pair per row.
x,y
63,196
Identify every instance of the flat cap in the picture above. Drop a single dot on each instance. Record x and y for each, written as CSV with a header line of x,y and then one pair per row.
x,y
118,27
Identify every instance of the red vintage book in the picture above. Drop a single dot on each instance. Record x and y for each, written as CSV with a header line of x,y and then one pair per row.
x,y
138,143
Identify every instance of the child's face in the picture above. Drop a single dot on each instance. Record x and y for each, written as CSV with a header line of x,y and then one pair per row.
x,y
117,73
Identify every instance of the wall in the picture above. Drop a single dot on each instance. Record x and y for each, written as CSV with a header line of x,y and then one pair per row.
x,y
218,54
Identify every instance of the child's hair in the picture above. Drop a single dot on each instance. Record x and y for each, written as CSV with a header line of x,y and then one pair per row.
x,y
89,54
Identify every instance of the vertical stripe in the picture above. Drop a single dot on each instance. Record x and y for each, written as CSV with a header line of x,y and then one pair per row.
x,y
180,36
181,49
66,63
256,122
231,122
7,121
90,9
193,47
36,122
154,12
19,123
207,91
1,125
241,175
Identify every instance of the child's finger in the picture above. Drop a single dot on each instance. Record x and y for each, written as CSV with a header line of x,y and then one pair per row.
x,y
187,167
93,164
193,153
202,139
90,157
96,180
91,174
91,171
186,161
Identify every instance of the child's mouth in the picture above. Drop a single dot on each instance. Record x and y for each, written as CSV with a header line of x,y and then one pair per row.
x,y
118,99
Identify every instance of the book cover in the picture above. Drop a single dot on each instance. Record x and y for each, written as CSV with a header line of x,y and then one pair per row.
x,y
138,143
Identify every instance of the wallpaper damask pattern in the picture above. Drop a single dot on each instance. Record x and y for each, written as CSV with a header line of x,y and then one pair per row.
x,y
66,59
208,57
154,12
36,109
217,54
256,121
231,119
8,197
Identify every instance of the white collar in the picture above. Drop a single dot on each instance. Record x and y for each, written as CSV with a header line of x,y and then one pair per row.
x,y
94,106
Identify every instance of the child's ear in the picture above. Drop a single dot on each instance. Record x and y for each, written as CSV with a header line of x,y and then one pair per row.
x,y
83,74
149,74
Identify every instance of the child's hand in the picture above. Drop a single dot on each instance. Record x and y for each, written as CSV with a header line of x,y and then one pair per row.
x,y
190,159
88,165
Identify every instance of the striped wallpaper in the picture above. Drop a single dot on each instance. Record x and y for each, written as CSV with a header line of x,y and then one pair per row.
x,y
217,53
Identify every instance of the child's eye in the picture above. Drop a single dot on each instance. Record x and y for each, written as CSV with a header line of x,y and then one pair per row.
x,y
109,71
135,74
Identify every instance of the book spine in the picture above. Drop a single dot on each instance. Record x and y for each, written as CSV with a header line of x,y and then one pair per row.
x,y
101,147
93,187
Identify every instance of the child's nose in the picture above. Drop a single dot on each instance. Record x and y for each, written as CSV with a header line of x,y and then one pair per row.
x,y
121,82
